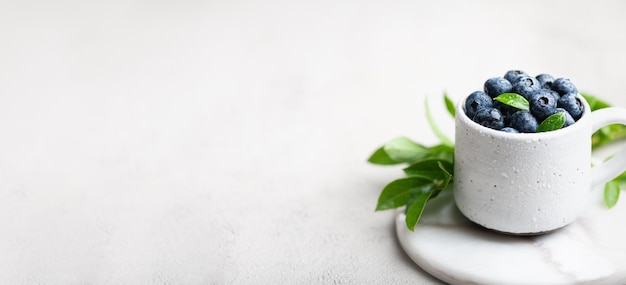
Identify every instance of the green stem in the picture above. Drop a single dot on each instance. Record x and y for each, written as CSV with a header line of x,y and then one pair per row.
x,y
431,122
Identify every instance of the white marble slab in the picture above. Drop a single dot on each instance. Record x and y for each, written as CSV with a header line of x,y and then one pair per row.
x,y
592,250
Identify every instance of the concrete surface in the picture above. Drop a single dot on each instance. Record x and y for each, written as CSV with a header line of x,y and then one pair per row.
x,y
224,142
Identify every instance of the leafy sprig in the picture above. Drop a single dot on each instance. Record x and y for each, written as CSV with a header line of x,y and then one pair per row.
x,y
430,169
604,136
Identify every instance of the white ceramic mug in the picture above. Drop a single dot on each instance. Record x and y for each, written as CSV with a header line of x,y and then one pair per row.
x,y
529,183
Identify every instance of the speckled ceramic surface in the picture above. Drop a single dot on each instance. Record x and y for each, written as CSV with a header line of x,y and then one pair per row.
x,y
592,250
529,183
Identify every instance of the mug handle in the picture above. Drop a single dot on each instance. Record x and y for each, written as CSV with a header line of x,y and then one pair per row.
x,y
613,167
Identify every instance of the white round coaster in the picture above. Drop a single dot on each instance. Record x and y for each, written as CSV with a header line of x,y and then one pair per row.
x,y
591,250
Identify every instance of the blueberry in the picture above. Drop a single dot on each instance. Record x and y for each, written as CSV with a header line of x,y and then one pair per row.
x,y
476,101
513,75
564,86
490,118
526,85
572,104
542,104
496,86
555,94
505,110
524,122
510,130
545,80
569,120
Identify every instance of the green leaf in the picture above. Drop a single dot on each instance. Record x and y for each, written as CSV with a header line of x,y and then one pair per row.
x,y
441,151
448,168
594,102
415,210
554,122
402,149
513,100
381,157
398,192
608,133
449,104
611,193
443,184
433,169
431,122
602,137
621,178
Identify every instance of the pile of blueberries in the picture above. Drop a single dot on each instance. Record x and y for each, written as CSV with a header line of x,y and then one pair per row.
x,y
545,95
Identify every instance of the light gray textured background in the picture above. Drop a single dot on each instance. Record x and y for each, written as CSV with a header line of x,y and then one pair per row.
x,y
224,142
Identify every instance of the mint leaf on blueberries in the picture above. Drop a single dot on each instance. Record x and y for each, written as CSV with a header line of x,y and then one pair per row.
x,y
611,193
551,123
449,104
402,149
513,100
